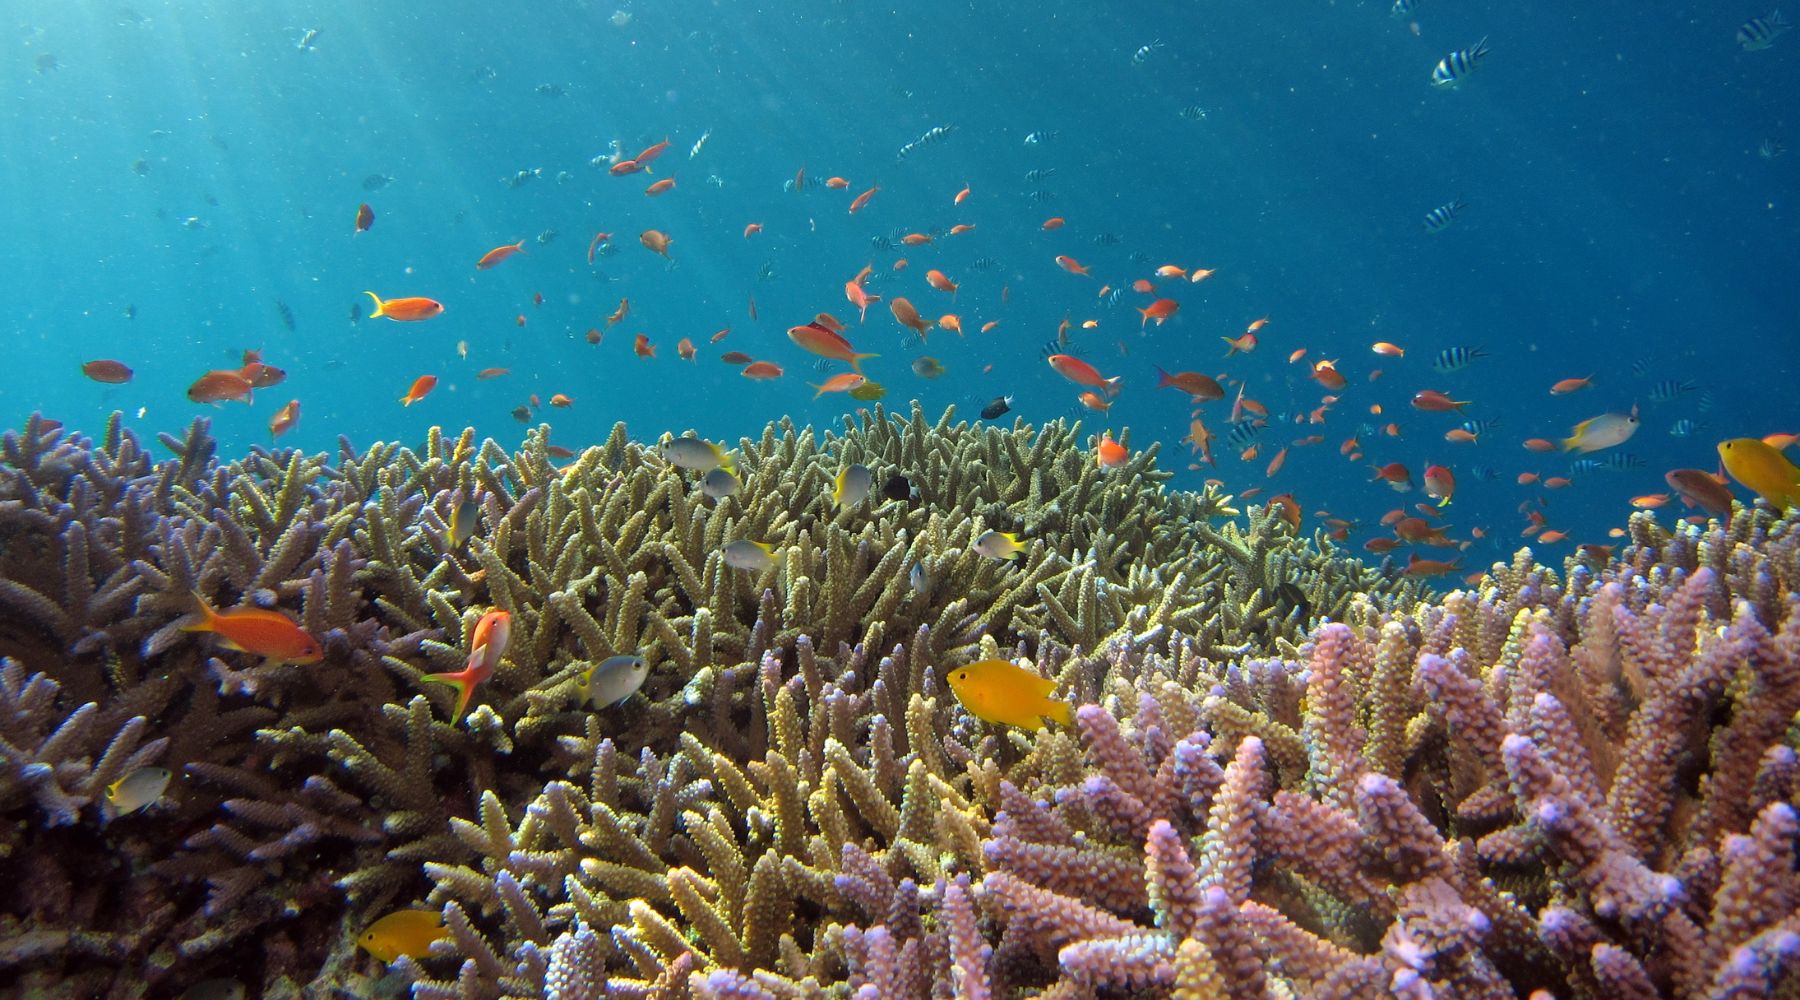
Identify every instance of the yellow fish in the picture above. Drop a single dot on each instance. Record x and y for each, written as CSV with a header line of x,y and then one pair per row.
x,y
403,932
999,545
998,691
1762,468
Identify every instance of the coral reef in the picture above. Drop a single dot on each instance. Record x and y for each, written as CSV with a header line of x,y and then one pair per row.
x,y
1290,774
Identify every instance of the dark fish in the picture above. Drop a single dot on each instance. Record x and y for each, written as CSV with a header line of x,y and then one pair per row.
x,y
898,487
985,264
375,182
522,414
996,408
1294,597
1669,390
1107,239
45,63
131,312
1455,359
287,314
356,312
140,167
1192,113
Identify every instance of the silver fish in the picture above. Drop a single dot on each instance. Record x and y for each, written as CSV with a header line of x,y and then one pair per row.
x,y
137,790
852,486
919,578
999,545
746,554
695,454
699,144
720,484
613,680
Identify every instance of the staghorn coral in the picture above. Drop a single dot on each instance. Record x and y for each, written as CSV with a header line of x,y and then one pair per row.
x,y
1575,782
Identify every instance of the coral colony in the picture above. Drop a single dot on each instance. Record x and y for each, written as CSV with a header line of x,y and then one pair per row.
x,y
1288,774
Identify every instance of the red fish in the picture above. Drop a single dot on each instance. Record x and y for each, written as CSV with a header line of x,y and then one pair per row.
x,y
1071,265
909,316
642,347
1200,386
488,644
421,388
1110,454
685,349
1433,401
365,217
649,156
860,200
599,238
284,419
219,386
853,290
1159,311
1081,373
655,241
761,370
667,183
106,370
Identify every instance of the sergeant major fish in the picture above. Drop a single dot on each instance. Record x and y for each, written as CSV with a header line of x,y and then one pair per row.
x,y
1453,68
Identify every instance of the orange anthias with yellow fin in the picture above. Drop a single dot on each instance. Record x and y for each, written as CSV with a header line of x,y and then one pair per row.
x,y
492,633
269,634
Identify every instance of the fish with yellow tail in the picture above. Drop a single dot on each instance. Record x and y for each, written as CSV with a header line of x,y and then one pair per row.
x,y
269,634
999,545
403,932
1762,468
488,644
1603,431
1002,692
852,486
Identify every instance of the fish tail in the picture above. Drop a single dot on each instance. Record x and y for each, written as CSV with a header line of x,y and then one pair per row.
x,y
1163,378
1112,386
1142,323
378,305
1444,502
1061,712
856,361
1571,443
464,689
208,617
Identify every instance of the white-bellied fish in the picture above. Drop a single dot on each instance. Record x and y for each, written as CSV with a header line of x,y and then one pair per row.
x,y
1439,219
1603,431
136,790
613,680
720,484
696,454
747,554
699,144
1759,33
464,518
999,545
1453,68
1685,428
919,578
852,486
1142,55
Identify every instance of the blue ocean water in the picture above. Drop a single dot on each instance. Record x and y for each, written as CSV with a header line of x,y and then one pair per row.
x,y
176,174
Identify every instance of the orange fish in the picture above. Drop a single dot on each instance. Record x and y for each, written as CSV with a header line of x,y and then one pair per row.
x,y
519,319
1081,373
642,347
1298,353
1200,386
1569,385
594,335
421,388
1458,435
269,634
752,308
487,373
1094,401
1430,567
685,349
619,313
284,419
951,321
1199,439
594,245
561,401
1142,286
1395,475
989,325
1256,325
761,370
800,180
1558,482
1244,344
817,339
915,239
1054,222
1326,374
649,156
1539,444
624,167
942,283
900,265
498,254
853,290
659,187
829,322
1277,462
1071,265
486,646
1110,454
106,370
752,229
1551,537
365,217
720,335
1650,501
1433,401
836,183
1284,506
863,199
219,386
1171,271
961,228
1200,274
655,241
1159,311
909,316
1527,478
406,310
838,383
960,196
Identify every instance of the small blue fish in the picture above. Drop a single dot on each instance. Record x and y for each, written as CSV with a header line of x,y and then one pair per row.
x,y
1453,68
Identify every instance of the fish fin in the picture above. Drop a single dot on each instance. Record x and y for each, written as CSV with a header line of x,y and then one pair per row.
x,y
1061,712
463,688
208,617
378,305
856,361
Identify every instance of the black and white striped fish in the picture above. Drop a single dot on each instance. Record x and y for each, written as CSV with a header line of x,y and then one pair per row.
x,y
1438,219
1403,9
1192,113
931,135
1455,359
1039,175
985,264
1686,428
1454,67
1669,390
1640,367
1040,196
1039,138
1243,435
1107,239
1759,33
1142,55
1480,427
1618,461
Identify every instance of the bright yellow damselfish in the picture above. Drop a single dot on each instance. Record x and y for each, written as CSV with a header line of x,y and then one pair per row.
x,y
998,691
1762,468
403,932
